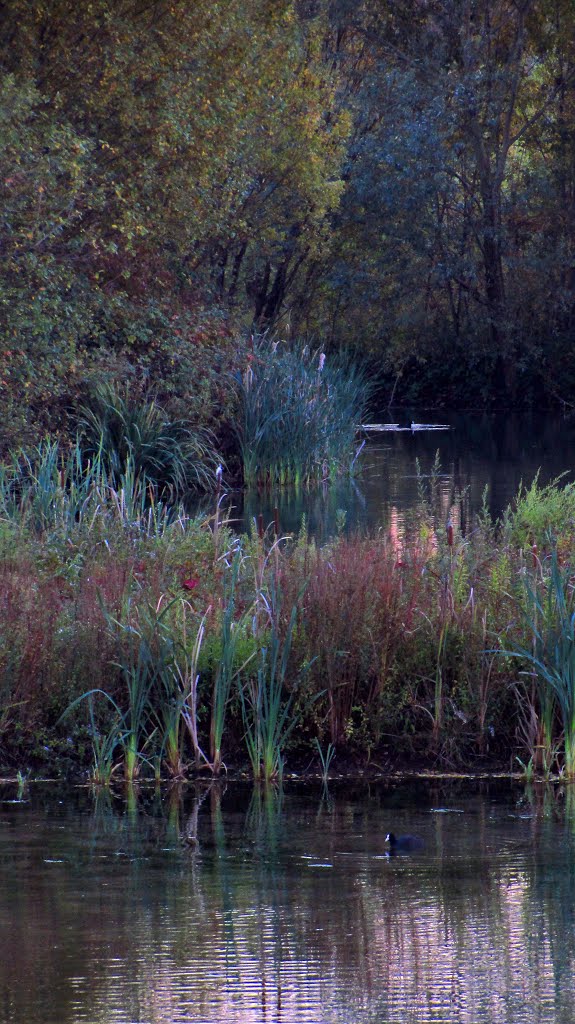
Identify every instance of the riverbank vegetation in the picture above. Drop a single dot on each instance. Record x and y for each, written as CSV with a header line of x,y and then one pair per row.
x,y
222,223
139,642
397,180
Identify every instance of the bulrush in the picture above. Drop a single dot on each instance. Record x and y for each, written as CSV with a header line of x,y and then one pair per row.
x,y
298,415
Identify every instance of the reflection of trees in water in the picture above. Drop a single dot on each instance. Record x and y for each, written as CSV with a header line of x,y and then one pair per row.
x,y
549,902
289,903
496,941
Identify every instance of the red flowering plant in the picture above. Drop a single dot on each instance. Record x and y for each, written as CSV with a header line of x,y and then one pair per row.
x,y
191,583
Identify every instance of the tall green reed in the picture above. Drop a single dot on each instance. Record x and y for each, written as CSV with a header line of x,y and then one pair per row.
x,y
266,711
172,454
53,492
138,665
47,488
231,631
105,739
299,414
104,745
175,698
325,759
167,697
188,676
550,616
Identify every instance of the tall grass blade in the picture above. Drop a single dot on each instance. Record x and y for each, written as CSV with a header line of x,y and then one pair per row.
x,y
266,710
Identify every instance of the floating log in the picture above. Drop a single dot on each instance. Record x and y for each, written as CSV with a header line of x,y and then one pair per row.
x,y
380,426
430,426
395,427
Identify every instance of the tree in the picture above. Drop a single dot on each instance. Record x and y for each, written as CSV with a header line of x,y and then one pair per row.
x,y
161,156
451,100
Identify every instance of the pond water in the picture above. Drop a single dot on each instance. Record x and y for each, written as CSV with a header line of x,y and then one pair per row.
x,y
288,910
497,451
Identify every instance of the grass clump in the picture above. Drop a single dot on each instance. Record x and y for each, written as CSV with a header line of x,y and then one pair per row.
x,y
266,707
299,414
550,661
119,428
540,513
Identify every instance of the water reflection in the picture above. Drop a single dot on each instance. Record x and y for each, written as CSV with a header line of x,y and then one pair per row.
x,y
493,451
286,907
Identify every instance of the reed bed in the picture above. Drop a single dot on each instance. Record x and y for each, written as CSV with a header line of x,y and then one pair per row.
x,y
138,642
53,492
120,427
299,414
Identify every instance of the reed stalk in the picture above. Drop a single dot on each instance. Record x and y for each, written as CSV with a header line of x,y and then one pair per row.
x,y
168,698
138,667
227,670
186,668
266,713
550,618
438,689
104,745
325,759
57,493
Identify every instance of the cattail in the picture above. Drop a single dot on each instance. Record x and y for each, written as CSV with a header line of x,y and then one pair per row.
x,y
449,528
261,526
276,521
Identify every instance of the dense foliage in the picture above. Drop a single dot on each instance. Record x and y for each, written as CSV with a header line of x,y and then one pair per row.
x,y
400,176
135,640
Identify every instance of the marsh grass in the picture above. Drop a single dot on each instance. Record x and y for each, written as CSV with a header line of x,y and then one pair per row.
x,y
325,759
299,414
172,456
104,739
138,665
104,744
142,659
550,616
266,708
188,677
54,494
167,696
186,646
358,604
539,513
48,489
227,669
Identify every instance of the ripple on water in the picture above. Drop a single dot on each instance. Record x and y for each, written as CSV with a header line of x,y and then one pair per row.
x,y
288,918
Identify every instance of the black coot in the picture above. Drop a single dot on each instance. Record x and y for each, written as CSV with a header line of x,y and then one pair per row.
x,y
404,842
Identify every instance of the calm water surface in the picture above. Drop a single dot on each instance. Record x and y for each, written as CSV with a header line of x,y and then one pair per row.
x,y
288,909
497,451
